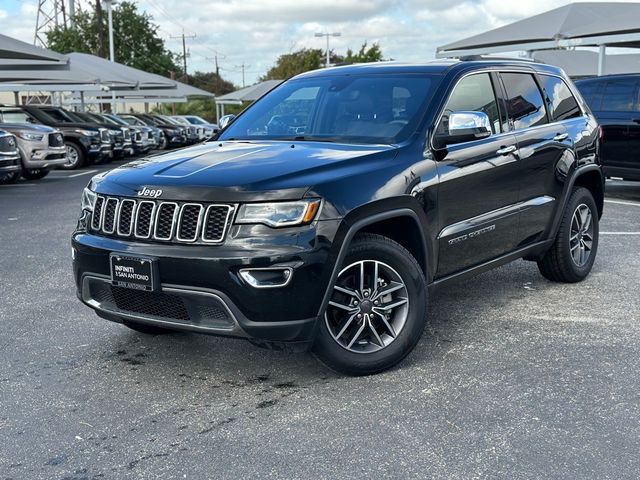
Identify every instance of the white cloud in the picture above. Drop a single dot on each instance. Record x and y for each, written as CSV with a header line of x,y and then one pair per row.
x,y
255,32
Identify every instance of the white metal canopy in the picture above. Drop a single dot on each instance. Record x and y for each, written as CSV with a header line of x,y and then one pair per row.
x,y
247,94
598,24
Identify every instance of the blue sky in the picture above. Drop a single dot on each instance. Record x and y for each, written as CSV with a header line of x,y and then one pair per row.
x,y
255,32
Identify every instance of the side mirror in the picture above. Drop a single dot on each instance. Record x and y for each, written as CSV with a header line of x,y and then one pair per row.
x,y
465,127
225,120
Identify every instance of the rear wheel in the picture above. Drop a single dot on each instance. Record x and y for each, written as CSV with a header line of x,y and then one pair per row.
x,y
9,177
35,173
75,156
146,329
571,256
377,310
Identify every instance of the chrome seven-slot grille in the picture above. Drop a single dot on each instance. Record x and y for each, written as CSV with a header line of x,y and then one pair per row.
x,y
183,222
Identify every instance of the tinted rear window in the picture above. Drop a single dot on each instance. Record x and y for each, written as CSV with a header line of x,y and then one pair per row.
x,y
561,101
620,95
592,94
524,100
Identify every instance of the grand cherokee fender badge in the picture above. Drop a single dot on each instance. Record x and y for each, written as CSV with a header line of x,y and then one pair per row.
x,y
149,192
474,234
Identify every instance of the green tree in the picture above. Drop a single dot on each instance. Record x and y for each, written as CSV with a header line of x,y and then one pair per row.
x,y
365,55
136,40
306,59
210,82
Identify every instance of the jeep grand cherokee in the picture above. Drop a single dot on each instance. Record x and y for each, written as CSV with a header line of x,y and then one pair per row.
x,y
323,215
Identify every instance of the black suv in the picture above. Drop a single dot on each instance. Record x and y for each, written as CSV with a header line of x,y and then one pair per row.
x,y
323,215
615,101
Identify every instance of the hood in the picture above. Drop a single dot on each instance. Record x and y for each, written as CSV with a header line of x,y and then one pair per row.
x,y
27,127
239,171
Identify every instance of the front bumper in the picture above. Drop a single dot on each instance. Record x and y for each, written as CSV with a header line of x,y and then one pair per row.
x,y
44,156
9,162
202,278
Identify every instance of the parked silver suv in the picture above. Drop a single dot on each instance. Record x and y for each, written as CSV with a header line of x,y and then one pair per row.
x,y
41,149
9,158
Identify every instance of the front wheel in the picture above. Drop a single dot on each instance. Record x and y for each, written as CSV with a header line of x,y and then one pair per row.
x,y
377,311
75,156
10,177
571,256
35,173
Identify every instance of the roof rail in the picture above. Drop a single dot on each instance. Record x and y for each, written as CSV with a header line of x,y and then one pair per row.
x,y
472,58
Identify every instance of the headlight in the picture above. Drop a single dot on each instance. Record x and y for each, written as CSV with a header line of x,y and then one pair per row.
x,y
87,133
32,137
279,214
88,200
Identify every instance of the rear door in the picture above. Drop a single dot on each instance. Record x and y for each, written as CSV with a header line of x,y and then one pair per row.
x,y
542,143
478,188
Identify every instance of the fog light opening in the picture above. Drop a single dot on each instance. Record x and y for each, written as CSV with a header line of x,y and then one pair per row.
x,y
267,277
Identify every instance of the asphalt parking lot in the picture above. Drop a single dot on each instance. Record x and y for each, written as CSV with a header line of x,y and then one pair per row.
x,y
515,377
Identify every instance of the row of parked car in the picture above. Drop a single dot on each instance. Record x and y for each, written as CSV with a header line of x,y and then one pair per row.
x,y
37,139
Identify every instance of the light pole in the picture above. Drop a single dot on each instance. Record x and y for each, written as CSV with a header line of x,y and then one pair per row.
x,y
327,35
111,53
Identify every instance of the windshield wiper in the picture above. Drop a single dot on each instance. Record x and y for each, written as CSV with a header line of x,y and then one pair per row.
x,y
304,138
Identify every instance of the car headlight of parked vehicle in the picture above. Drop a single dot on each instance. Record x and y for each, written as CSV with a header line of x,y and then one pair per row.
x,y
87,133
31,137
279,214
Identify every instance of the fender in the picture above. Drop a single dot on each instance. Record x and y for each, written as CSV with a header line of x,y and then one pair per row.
x,y
354,228
562,204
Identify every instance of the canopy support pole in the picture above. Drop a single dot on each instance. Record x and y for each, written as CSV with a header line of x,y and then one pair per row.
x,y
16,98
146,107
602,55
81,101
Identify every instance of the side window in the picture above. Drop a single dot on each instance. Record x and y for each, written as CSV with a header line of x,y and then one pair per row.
x,y
620,96
592,93
561,101
473,93
525,105
15,116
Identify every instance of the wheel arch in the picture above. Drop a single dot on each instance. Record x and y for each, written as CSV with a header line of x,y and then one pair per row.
x,y
389,223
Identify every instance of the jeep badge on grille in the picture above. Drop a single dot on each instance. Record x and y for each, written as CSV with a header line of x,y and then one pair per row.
x,y
149,192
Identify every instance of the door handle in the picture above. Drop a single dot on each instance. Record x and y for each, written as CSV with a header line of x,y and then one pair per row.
x,y
561,137
506,150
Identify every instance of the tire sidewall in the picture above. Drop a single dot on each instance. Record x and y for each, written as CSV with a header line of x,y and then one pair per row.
x,y
580,196
80,157
342,360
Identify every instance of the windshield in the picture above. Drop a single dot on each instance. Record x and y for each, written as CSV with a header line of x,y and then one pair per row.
x,y
133,121
369,109
180,120
114,119
195,120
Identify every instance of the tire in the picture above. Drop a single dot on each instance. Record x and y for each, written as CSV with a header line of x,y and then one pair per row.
x,y
573,252
76,157
147,329
9,177
359,340
35,173
164,143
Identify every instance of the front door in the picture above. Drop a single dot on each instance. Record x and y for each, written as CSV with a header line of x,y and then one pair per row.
x,y
479,182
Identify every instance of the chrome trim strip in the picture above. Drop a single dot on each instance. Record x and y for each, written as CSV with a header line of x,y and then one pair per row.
x,y
493,215
173,220
133,216
151,223
198,225
115,214
227,222
99,227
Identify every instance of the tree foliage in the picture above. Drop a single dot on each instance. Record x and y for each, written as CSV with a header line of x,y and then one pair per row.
x,y
136,40
210,82
300,61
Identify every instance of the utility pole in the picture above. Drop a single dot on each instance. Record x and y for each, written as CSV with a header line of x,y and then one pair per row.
x,y
111,49
49,12
215,59
242,67
99,29
72,13
327,35
184,49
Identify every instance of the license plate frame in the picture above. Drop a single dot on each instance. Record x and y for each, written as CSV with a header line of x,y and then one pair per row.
x,y
135,272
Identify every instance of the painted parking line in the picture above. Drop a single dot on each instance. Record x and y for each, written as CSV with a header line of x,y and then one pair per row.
x,y
73,175
18,185
620,202
619,233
